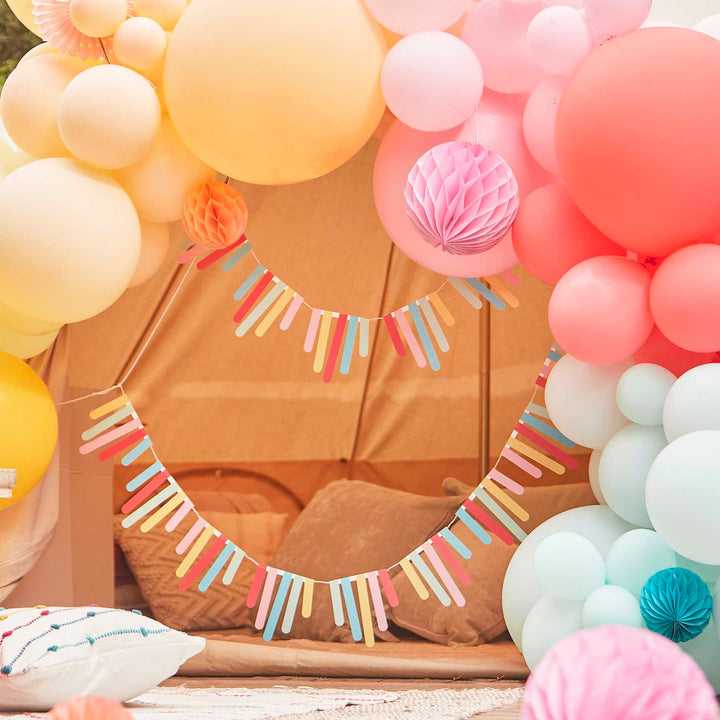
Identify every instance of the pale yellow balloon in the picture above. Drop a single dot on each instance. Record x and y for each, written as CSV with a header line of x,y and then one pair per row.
x,y
278,91
29,102
154,250
160,182
24,346
69,240
98,18
22,9
109,116
164,12
140,43
41,49
26,325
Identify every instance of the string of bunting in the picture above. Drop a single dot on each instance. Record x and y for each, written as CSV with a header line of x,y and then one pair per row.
x,y
157,501
334,336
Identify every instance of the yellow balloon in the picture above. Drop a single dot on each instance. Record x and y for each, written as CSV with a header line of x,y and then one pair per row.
x,y
26,325
165,12
22,9
278,91
24,346
155,246
28,426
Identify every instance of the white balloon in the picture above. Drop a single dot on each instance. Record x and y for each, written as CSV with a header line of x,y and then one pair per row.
x,y
710,26
641,393
594,479
693,402
624,466
683,496
580,399
559,39
685,14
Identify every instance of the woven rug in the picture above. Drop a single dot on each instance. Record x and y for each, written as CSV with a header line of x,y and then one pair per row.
x,y
308,704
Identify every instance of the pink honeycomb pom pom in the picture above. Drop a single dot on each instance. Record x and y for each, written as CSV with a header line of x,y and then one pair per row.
x,y
89,708
614,672
462,197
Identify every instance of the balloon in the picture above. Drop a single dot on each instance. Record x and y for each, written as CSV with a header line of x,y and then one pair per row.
x,y
539,121
611,605
705,650
640,163
550,620
594,479
709,573
22,9
660,351
165,12
432,81
406,17
580,399
28,425
559,39
497,32
693,402
599,311
521,589
683,495
685,300
98,18
551,236
710,26
616,17
154,250
624,466
641,393
569,565
24,325
635,557
29,102
24,346
109,116
140,43
69,240
305,81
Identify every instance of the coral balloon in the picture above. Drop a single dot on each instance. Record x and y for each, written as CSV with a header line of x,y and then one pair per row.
x,y
98,18
559,39
432,81
109,117
24,346
406,17
89,708
28,425
462,197
29,103
539,121
600,310
497,32
164,12
685,298
305,81
215,215
660,351
154,250
616,17
140,43
551,236
637,149
69,241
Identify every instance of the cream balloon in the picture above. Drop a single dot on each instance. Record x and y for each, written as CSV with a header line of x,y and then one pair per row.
x,y
154,250
22,9
275,92
109,116
30,99
24,325
69,240
159,183
97,18
41,49
24,346
164,12
140,43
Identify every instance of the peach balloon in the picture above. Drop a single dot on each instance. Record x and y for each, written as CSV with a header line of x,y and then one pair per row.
x,y
278,91
406,17
164,12
22,9
154,250
215,215
98,18
539,119
140,43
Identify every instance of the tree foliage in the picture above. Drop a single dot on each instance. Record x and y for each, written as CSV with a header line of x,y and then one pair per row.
x,y
15,41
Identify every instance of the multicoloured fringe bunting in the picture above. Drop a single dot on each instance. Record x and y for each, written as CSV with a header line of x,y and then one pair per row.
x,y
206,556
333,337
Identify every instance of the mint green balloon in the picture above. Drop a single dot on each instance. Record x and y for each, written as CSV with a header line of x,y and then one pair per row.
x,y
612,605
635,557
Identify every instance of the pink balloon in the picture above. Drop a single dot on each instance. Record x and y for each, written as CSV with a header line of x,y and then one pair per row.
x,y
600,310
497,31
616,17
539,121
559,39
685,298
405,17
432,81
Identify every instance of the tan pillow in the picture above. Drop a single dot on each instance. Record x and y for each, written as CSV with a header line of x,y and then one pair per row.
x,y
258,534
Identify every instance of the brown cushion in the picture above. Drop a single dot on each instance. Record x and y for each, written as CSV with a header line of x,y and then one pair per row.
x,y
258,534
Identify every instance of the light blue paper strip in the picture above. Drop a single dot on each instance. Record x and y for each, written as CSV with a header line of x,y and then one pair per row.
x,y
351,610
252,317
364,348
482,495
249,281
424,336
487,293
546,429
151,504
456,543
430,579
554,356
144,476
233,567
292,604
107,423
538,410
137,451
237,256
216,567
432,320
337,603
465,291
277,607
349,345
464,516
